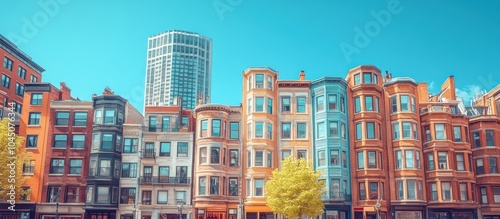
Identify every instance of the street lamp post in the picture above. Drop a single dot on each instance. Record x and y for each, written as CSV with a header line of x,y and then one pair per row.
x,y
377,207
180,204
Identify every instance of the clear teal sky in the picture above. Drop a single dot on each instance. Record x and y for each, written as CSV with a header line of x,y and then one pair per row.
x,y
92,44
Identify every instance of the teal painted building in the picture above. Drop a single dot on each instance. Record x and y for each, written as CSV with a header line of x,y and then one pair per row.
x,y
331,152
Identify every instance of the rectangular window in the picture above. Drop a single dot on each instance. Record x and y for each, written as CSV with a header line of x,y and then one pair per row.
x,y
362,191
496,195
395,128
34,118
162,197
411,187
233,186
233,157
344,159
33,78
259,158
259,104
202,187
430,158
463,192
259,129
269,105
7,63
204,128
301,130
342,104
104,167
404,103
413,105
357,80
107,142
203,155
60,140
401,190
370,130
343,131
333,129
19,89
321,130
406,129
359,134
321,158
98,116
285,154
368,103
427,131
394,104
29,167
130,145
269,131
127,196
103,194
25,194
78,141
62,118
165,124
56,166
285,130
479,166
334,157
320,103
165,149
377,105
31,141
367,77
373,190
269,82
269,159
493,165
259,81
249,107
460,162
5,81
357,105
434,192
285,104
129,170
214,185
415,131
301,104
477,139
399,159
361,160
446,191
490,138
484,196
235,130
75,166
214,155
259,185
457,133
301,154
109,117
216,128
372,159
443,160
36,99
146,197
439,131
54,194
332,102
409,159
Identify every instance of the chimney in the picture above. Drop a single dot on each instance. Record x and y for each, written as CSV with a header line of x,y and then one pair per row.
x,y
108,91
200,99
65,91
302,75
207,100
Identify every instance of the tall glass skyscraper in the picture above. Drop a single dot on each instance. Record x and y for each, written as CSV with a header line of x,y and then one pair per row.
x,y
179,63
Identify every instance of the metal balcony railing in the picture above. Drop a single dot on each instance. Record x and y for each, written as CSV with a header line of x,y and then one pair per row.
x,y
148,180
148,153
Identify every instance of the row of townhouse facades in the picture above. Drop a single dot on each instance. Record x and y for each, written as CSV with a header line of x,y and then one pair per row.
x,y
385,145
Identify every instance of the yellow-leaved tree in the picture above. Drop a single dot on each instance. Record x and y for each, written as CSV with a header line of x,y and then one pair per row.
x,y
12,158
295,190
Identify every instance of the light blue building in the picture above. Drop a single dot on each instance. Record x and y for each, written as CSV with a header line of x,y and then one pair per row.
x,y
331,144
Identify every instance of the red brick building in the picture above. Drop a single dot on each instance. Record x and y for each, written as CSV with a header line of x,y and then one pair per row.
x,y
484,127
17,69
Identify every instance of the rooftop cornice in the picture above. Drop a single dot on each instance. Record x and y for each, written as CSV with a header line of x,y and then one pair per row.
x,y
15,51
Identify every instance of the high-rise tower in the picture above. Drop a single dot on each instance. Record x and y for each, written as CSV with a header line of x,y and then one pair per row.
x,y
178,64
